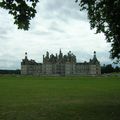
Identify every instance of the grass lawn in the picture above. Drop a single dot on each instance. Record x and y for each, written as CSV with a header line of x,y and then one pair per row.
x,y
59,98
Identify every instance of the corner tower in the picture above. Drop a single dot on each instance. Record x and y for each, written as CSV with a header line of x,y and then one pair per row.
x,y
95,67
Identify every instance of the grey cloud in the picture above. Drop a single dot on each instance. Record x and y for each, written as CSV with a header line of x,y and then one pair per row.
x,y
9,62
3,34
63,10
41,33
3,38
55,27
3,31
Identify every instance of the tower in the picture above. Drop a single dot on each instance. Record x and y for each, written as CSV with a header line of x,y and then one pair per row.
x,y
95,65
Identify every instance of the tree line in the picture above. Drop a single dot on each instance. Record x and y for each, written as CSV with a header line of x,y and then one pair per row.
x,y
10,71
109,69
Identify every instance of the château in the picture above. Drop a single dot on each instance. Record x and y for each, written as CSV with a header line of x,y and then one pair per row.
x,y
60,65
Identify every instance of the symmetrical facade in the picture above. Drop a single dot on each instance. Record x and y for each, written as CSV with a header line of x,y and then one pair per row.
x,y
60,65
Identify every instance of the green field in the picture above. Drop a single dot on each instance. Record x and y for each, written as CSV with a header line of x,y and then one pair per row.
x,y
59,98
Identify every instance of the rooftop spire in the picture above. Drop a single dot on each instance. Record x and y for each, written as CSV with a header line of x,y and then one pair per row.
x,y
60,51
25,55
94,60
94,54
60,54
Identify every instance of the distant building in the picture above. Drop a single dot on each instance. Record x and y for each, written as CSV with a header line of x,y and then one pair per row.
x,y
60,65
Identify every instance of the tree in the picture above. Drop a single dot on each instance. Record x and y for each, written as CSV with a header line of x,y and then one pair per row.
x,y
107,69
117,69
104,16
22,10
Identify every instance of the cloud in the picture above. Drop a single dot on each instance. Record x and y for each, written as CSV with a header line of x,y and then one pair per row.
x,y
9,61
65,10
58,24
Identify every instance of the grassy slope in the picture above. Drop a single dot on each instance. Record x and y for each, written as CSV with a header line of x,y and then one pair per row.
x,y
59,98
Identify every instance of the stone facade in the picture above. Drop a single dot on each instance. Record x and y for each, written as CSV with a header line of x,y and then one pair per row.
x,y
60,65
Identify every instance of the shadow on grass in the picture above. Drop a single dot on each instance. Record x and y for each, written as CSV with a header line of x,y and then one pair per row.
x,y
61,112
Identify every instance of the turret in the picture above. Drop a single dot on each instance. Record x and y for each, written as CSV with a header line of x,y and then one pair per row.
x,y
26,56
47,54
94,54
94,60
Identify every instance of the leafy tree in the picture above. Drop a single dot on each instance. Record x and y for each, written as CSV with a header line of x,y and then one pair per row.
x,y
22,10
117,69
10,71
104,16
109,69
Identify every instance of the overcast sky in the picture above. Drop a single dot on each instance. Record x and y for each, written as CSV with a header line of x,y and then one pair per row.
x,y
58,24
